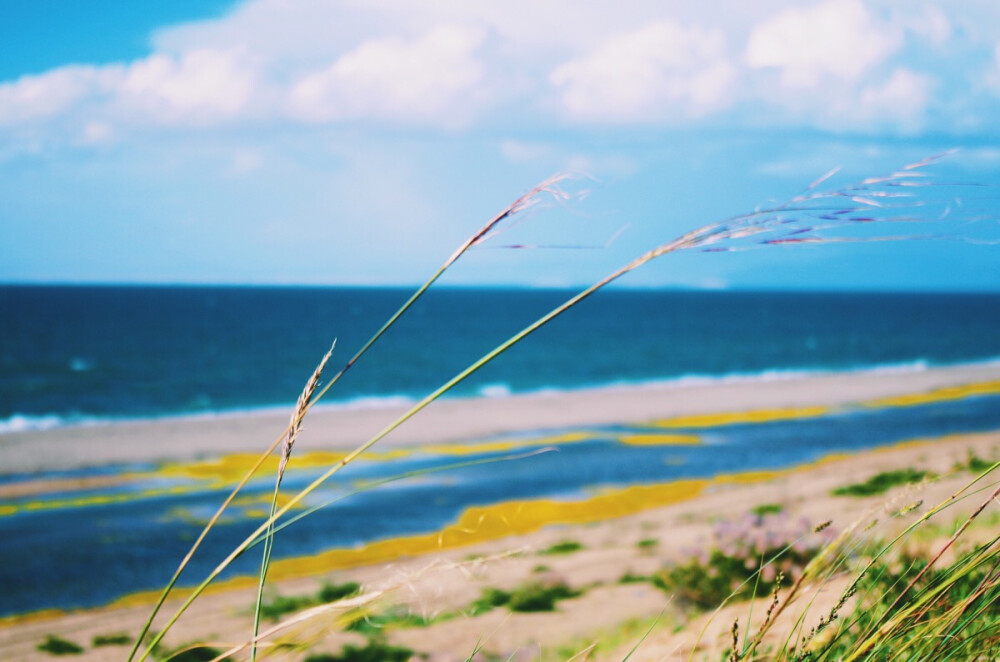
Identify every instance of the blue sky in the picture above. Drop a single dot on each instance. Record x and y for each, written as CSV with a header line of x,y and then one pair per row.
x,y
345,142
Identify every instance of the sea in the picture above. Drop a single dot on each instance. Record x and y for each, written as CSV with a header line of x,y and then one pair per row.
x,y
85,355
73,355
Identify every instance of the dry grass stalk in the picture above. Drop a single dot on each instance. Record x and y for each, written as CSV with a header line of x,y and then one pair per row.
x,y
301,406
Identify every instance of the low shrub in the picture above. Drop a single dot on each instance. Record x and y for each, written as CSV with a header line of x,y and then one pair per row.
x,y
373,651
745,558
334,592
536,597
564,547
56,645
111,640
883,482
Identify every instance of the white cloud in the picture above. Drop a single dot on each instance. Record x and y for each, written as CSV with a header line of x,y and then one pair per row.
x,y
95,133
664,70
199,87
451,64
838,39
432,79
899,100
52,93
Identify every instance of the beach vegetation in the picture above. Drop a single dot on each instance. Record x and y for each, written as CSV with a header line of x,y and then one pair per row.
x,y
757,556
539,597
488,599
534,596
195,654
746,558
883,482
119,639
976,464
56,645
334,592
767,509
395,617
373,651
563,547
274,607
630,578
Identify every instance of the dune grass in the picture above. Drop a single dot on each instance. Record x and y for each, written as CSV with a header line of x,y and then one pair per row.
x,y
806,218
882,482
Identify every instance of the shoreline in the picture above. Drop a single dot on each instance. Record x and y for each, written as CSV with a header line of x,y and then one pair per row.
x,y
455,420
454,575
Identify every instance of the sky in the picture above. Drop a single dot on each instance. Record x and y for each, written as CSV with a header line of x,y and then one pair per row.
x,y
339,142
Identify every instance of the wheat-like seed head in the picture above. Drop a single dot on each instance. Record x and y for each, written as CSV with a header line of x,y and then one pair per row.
x,y
300,410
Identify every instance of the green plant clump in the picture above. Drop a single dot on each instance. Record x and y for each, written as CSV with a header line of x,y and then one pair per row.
x,y
951,613
373,651
535,597
564,547
767,509
334,592
977,465
196,654
647,543
883,482
629,578
748,557
491,597
396,617
111,640
282,604
58,646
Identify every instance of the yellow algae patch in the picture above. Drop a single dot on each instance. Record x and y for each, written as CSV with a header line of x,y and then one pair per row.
x,y
233,467
91,500
937,395
33,616
507,444
660,439
735,418
486,523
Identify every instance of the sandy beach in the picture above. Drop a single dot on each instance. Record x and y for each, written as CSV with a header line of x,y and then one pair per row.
x,y
446,581
455,420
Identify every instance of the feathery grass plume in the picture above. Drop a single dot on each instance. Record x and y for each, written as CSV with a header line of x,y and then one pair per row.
x,y
803,219
294,428
550,187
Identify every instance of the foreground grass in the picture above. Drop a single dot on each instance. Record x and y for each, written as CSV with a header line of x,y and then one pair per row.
x,y
772,567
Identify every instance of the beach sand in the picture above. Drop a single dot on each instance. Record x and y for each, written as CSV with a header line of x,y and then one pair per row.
x,y
454,420
450,580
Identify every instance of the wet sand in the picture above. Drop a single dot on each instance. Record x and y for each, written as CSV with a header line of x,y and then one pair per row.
x,y
453,420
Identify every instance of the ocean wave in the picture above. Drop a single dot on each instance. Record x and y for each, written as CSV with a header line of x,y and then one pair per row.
x,y
30,422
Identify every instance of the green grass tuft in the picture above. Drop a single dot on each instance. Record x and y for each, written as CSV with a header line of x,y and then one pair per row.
x,y
767,509
111,640
883,482
373,651
535,597
56,645
564,547
334,592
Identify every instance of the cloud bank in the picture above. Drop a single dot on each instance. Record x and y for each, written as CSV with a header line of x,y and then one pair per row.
x,y
841,65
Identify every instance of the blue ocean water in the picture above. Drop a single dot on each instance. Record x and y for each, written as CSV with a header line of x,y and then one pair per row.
x,y
75,354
